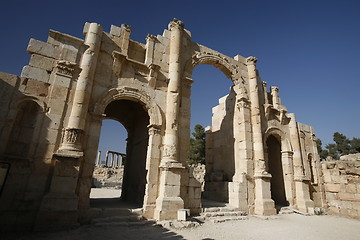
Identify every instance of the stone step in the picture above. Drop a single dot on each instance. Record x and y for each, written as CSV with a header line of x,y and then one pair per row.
x,y
220,209
286,210
222,214
129,218
229,218
140,223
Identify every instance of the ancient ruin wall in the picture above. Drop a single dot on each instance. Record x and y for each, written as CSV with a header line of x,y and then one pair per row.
x,y
342,185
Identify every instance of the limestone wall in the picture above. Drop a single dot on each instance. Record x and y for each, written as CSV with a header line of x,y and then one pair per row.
x,y
342,185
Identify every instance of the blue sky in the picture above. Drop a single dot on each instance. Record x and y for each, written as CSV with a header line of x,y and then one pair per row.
x,y
309,49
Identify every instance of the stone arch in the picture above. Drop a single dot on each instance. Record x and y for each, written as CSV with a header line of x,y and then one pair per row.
x,y
217,61
16,104
131,94
220,62
280,135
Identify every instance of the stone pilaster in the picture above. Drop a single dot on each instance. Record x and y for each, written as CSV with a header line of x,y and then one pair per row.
x,y
303,201
152,168
238,188
264,205
287,162
73,133
169,200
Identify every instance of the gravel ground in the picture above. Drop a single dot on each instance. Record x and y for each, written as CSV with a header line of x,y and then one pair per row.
x,y
287,227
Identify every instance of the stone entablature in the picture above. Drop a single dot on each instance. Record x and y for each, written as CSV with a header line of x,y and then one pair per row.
x,y
72,84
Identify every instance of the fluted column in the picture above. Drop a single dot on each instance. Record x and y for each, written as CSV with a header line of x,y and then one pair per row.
x,y
264,205
169,200
71,142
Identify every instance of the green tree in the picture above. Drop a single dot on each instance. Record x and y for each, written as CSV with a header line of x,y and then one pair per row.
x,y
197,145
355,145
322,153
342,143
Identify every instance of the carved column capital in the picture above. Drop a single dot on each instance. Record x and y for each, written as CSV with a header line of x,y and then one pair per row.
x,y
126,27
242,103
176,24
273,88
65,68
251,60
154,129
150,37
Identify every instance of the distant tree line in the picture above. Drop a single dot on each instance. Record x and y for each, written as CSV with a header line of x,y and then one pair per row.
x,y
342,146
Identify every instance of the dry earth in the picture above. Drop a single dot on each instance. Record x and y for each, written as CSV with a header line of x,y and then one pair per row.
x,y
287,227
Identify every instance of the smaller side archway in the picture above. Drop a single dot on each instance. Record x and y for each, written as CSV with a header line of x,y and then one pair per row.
x,y
279,161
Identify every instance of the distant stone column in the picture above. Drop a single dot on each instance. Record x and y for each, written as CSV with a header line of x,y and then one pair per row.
x,y
98,162
72,136
169,200
264,205
302,191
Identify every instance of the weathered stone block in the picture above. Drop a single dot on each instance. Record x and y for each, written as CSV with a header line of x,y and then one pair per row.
x,y
351,188
330,187
37,88
346,196
115,30
42,48
42,62
35,73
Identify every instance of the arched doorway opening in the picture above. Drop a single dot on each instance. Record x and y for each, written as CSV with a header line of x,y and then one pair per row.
x,y
111,156
275,167
135,119
211,93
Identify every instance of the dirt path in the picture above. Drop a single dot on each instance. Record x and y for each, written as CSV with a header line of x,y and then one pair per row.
x,y
287,227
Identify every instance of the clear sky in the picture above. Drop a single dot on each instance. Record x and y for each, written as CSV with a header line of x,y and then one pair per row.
x,y
309,49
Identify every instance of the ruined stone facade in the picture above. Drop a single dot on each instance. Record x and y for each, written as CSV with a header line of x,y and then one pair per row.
x,y
258,156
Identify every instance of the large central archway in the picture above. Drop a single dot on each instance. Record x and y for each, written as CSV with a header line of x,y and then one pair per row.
x,y
135,119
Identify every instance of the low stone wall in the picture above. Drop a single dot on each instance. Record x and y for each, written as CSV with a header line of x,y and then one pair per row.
x,y
342,185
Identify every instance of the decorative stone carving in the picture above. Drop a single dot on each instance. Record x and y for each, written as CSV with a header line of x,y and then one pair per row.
x,y
126,27
169,151
242,103
150,37
154,129
176,24
251,60
72,136
65,68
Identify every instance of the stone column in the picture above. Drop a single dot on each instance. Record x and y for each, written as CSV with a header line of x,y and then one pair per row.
x,y
152,168
238,188
264,205
169,200
303,201
287,163
150,45
275,97
71,142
